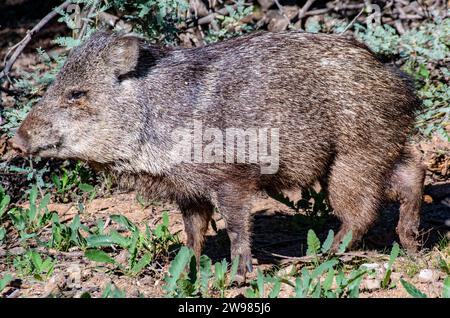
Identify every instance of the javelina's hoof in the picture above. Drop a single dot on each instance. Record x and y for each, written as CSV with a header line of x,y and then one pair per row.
x,y
409,235
245,266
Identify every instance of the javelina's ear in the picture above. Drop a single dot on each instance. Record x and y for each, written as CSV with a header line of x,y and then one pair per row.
x,y
130,55
123,54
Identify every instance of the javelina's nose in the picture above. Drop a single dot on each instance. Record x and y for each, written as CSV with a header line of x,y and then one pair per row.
x,y
19,144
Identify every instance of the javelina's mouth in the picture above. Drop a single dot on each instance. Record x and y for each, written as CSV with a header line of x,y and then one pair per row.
x,y
50,148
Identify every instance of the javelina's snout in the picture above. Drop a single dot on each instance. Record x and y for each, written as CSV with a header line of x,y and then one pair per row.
x,y
19,143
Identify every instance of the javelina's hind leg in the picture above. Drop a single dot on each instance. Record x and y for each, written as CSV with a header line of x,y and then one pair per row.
x,y
355,187
196,217
406,186
234,205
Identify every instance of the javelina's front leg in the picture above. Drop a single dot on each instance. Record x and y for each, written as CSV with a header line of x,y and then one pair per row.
x,y
196,217
234,204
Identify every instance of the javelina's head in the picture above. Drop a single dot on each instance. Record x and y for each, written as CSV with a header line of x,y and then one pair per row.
x,y
91,111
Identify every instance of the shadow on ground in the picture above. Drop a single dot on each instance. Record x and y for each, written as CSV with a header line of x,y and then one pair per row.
x,y
285,234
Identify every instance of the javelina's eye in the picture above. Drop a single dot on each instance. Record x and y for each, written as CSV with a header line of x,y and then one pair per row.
x,y
75,95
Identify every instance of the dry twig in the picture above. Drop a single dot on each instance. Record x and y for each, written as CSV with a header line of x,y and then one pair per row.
x,y
19,47
86,22
310,258
304,9
353,21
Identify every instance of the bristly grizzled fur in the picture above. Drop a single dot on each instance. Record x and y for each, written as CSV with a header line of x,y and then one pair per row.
x,y
343,117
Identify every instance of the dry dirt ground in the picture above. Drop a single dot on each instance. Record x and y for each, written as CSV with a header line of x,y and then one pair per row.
x,y
276,231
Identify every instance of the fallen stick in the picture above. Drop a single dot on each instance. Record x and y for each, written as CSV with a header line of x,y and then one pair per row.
x,y
19,47
310,258
210,17
304,9
353,21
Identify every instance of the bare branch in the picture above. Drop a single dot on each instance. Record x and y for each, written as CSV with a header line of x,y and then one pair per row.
x,y
86,22
210,17
281,9
19,47
304,9
353,21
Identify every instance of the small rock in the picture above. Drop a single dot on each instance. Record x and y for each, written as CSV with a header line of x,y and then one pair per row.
x,y
133,293
86,274
377,268
371,284
266,4
371,265
277,22
122,258
14,294
427,199
427,276
17,251
395,277
54,284
74,279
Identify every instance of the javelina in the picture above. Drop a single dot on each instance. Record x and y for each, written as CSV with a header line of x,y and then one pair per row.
x,y
336,113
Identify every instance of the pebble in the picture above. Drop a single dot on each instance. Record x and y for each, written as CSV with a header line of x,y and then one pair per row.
x,y
377,268
17,251
371,265
54,283
74,278
123,256
371,284
427,275
395,277
14,294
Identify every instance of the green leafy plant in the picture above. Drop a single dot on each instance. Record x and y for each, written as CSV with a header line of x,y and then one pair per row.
x,y
4,281
412,290
318,281
231,25
422,52
192,283
29,220
142,247
446,288
111,291
313,204
74,182
33,264
183,279
2,234
387,276
4,202
416,293
66,236
258,287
